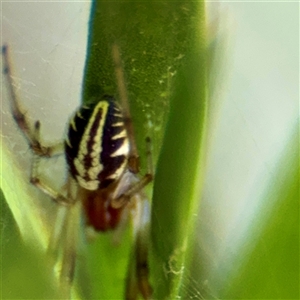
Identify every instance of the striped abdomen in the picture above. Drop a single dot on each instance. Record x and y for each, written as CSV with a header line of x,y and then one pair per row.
x,y
97,144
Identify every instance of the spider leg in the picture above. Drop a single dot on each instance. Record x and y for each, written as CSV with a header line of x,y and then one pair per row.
x,y
32,135
62,248
63,241
132,291
138,270
21,118
139,184
45,188
133,162
69,249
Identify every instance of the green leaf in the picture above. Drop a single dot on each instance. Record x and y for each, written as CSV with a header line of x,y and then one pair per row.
x,y
23,267
270,258
178,178
25,271
266,265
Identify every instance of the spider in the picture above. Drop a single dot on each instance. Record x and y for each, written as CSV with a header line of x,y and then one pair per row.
x,y
103,175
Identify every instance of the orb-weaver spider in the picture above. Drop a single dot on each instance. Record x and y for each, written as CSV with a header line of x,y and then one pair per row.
x,y
103,166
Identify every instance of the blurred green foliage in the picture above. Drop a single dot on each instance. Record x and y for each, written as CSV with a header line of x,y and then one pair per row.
x,y
270,258
24,271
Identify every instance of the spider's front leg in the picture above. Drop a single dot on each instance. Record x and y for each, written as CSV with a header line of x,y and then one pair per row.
x,y
32,135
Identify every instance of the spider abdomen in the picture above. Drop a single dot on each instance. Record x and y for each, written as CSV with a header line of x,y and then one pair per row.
x,y
97,144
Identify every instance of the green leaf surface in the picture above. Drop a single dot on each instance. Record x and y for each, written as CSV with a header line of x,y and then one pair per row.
x,y
178,178
266,265
18,224
23,267
269,260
